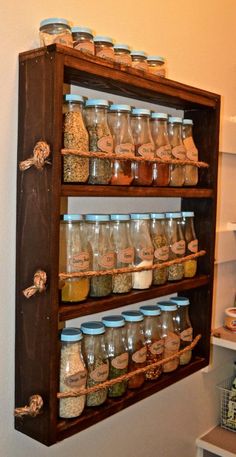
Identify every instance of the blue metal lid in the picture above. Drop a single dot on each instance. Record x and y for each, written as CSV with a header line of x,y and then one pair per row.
x,y
106,39
71,334
141,111
120,217
126,108
157,216
72,217
187,214
73,98
139,53
96,102
167,306
132,316
156,58
93,328
180,301
187,122
173,215
113,321
140,216
54,20
175,120
82,30
163,116
150,310
122,46
97,217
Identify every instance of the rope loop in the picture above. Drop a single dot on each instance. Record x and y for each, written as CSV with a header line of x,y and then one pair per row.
x,y
40,279
40,154
33,409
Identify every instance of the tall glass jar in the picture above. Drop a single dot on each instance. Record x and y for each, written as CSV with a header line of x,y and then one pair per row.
x,y
104,47
169,334
136,346
143,249
75,168
191,172
185,329
55,30
161,247
103,255
124,252
139,60
153,339
122,54
119,123
117,353
73,373
74,257
177,172
177,245
156,65
100,140
190,266
83,39
144,146
161,171
96,359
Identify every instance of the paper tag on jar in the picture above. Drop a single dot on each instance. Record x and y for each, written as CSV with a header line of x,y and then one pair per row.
x,y
84,46
121,361
178,247
124,58
157,347
125,148
193,246
179,152
146,150
106,53
140,356
76,380
80,261
100,374
162,253
192,151
146,253
126,255
187,335
172,343
107,260
105,144
164,152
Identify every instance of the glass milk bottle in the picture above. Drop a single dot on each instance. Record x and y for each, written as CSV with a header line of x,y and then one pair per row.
x,y
190,266
161,247
169,334
177,172
185,329
177,245
124,252
153,339
161,171
144,147
191,172
143,249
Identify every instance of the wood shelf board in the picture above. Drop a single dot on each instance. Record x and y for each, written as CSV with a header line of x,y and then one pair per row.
x,y
226,339
219,441
93,415
92,306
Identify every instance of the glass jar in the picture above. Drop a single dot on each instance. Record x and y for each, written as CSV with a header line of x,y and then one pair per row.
x,y
74,257
124,252
143,249
139,60
177,172
144,147
136,346
153,340
161,247
100,140
176,245
170,334
117,353
75,168
161,171
191,172
55,30
156,65
190,266
185,329
122,54
83,39
103,255
96,359
119,123
73,373
104,47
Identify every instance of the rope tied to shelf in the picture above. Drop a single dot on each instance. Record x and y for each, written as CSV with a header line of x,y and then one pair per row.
x,y
41,152
40,279
33,409
127,376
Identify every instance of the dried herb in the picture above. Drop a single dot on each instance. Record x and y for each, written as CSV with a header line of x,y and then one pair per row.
x,y
76,169
101,286
122,283
119,388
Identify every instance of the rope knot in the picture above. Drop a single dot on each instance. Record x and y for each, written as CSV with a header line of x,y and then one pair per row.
x,y
40,154
40,279
33,409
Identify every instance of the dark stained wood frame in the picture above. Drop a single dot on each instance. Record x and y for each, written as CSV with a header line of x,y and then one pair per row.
x,y
42,75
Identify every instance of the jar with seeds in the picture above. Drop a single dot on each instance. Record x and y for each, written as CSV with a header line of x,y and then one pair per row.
x,y
144,147
191,172
122,54
124,252
104,47
96,359
153,340
100,140
190,266
177,245
55,30
139,60
75,168
185,328
161,247
83,39
161,171
178,151
73,373
170,334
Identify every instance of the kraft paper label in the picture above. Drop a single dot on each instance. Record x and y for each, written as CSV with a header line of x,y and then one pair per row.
x,y
146,253
124,58
107,260
178,247
121,361
100,374
157,347
187,335
80,261
105,144
172,343
162,253
179,152
76,380
125,148
164,152
106,53
146,150
140,356
193,246
84,46
126,255
192,151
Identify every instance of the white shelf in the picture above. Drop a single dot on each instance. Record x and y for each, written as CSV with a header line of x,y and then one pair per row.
x,y
224,338
218,441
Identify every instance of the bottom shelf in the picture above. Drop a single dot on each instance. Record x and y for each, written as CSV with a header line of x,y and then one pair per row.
x,y
219,441
93,415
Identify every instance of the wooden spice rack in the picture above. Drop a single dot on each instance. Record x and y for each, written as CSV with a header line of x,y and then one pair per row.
x,y
43,72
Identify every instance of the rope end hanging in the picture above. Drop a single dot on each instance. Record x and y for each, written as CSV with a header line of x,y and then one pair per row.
x,y
40,154
40,279
33,409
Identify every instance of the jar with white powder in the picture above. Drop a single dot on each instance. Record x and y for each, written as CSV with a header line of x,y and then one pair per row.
x,y
143,249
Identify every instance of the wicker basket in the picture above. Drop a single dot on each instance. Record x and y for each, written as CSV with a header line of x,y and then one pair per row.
x,y
227,404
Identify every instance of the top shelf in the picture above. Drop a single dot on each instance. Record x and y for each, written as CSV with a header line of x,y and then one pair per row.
x,y
106,76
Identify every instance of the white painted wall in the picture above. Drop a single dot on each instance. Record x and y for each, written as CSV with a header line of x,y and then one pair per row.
x,y
197,38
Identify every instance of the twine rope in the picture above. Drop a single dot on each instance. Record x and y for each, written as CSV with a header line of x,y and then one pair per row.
x,y
33,409
115,271
41,152
126,377
40,279
102,155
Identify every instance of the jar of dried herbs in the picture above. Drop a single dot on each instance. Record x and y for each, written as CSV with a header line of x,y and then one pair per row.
x,y
119,123
143,249
104,47
156,65
83,39
136,346
169,330
190,266
103,253
100,140
73,374
153,339
144,147
55,30
177,172
124,252
177,245
117,353
74,257
161,171
191,172
96,359
161,247
122,54
185,329
75,168
139,60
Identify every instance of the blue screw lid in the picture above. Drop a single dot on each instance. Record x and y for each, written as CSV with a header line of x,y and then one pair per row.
x,y
71,334
132,316
120,217
93,328
187,122
97,217
187,214
73,98
82,30
54,20
167,306
106,39
122,46
173,215
126,108
113,321
140,216
155,115
72,217
157,216
139,53
156,58
180,301
175,120
96,102
150,310
141,111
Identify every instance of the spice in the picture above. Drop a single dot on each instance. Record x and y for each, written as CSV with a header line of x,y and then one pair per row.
x,y
154,354
138,360
75,290
55,30
104,47
191,172
156,65
169,334
161,171
175,272
190,266
97,373
143,249
153,341
144,147
178,151
122,54
136,346
83,39
101,286
139,60
143,279
176,244
118,389
161,247
121,283
184,327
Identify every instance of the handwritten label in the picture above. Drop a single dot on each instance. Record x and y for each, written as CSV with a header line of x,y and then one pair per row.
x,y
157,347
107,260
178,247
106,53
100,374
121,361
126,255
140,356
76,380
125,148
123,58
164,152
179,152
192,151
84,46
193,246
146,150
80,261
162,253
105,144
146,253
187,335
